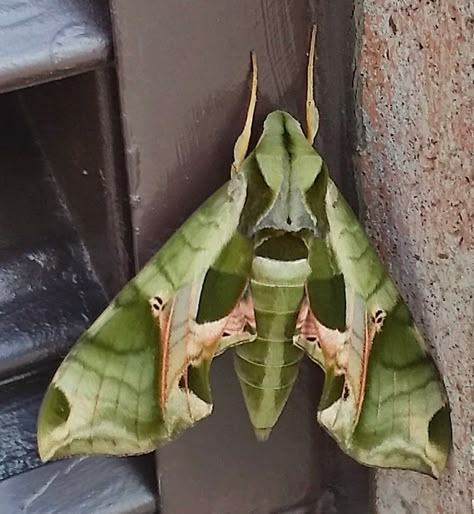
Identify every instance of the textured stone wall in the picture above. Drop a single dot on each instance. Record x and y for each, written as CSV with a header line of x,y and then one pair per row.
x,y
416,185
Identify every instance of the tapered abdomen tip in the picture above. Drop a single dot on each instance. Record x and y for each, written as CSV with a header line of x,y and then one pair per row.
x,y
262,434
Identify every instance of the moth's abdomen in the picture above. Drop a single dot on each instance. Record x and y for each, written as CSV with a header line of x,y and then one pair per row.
x,y
267,368
266,387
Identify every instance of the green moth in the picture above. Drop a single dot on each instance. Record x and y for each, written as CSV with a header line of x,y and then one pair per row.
x,y
275,266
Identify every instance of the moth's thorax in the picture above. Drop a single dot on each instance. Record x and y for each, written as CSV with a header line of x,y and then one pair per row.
x,y
280,170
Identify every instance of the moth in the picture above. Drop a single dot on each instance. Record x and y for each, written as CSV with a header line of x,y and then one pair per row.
x,y
273,266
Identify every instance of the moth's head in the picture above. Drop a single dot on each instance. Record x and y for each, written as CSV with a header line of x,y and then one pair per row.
x,y
284,152
283,124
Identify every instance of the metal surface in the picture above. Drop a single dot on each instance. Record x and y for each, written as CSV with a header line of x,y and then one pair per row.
x,y
82,486
42,40
59,190
64,243
76,124
183,71
416,184
47,289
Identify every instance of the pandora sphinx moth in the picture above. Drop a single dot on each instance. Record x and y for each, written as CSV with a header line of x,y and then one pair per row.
x,y
273,266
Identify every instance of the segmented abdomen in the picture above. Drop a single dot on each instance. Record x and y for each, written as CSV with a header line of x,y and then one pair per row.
x,y
267,368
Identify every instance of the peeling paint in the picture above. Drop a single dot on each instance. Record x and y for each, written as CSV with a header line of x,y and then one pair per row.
x,y
415,179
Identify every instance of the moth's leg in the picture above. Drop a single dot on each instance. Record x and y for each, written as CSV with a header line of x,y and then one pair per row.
x,y
242,143
312,114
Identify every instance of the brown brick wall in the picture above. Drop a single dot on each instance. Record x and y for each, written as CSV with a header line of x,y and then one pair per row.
x,y
416,186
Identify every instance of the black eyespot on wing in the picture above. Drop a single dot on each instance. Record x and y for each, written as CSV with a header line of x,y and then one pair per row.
x,y
379,316
157,303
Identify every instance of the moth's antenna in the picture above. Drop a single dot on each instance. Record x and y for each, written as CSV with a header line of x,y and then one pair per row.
x,y
242,143
312,114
